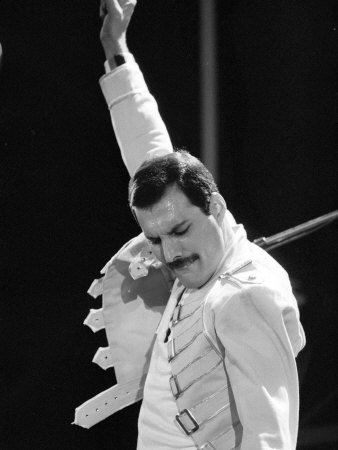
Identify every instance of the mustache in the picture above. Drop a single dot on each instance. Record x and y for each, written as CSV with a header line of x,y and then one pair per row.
x,y
181,262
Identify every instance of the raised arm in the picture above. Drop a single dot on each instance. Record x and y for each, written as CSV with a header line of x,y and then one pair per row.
x,y
139,128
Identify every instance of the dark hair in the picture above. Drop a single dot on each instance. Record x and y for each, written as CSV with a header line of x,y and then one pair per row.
x,y
178,168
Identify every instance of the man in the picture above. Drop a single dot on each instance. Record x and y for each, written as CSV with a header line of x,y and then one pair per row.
x,y
222,373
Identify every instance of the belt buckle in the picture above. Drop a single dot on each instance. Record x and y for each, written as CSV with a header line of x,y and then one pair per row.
x,y
177,314
171,349
187,431
174,386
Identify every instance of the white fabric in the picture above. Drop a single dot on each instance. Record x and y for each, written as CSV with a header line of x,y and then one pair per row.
x,y
261,334
157,429
139,129
260,331
259,327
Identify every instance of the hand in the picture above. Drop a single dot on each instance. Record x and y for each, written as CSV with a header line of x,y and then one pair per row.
x,y
116,15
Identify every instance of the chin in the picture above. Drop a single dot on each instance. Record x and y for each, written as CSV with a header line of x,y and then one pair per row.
x,y
191,282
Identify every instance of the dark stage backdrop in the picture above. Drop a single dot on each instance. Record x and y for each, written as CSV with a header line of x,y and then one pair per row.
x,y
64,188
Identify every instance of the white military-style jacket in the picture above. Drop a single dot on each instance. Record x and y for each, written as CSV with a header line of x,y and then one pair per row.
x,y
232,353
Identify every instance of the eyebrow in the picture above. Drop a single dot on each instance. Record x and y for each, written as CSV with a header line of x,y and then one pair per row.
x,y
172,231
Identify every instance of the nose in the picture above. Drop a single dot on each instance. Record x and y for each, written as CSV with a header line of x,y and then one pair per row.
x,y
171,249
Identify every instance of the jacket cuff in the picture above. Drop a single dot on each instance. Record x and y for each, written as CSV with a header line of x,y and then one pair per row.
x,y
125,80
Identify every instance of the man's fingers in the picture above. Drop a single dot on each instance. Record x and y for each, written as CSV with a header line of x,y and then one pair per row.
x,y
127,14
117,7
127,3
129,7
110,7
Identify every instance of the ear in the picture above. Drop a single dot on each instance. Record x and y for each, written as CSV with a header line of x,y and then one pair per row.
x,y
217,207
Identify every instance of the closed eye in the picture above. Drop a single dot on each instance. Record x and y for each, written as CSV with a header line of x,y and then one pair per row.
x,y
181,233
157,240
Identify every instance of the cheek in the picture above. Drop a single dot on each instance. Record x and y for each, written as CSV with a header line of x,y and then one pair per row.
x,y
211,242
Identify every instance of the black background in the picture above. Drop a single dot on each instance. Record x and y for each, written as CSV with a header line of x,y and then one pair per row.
x,y
64,188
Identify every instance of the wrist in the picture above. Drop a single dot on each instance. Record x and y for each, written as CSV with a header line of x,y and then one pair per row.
x,y
117,60
112,46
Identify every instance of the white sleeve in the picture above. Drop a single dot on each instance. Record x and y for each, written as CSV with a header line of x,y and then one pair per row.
x,y
261,335
139,128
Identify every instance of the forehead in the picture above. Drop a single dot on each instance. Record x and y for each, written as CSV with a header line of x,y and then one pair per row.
x,y
173,208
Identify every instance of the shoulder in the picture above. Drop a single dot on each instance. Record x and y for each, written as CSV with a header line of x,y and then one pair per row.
x,y
254,290
254,299
251,300
251,282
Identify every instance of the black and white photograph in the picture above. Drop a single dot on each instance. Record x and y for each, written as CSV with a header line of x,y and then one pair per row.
x,y
169,233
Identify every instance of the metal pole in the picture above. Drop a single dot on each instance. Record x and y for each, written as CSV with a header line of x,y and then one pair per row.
x,y
208,86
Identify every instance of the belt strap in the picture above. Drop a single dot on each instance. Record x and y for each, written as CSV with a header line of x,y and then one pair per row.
x,y
96,288
179,383
179,343
183,311
95,320
191,419
104,358
108,402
